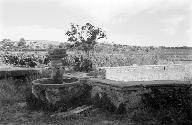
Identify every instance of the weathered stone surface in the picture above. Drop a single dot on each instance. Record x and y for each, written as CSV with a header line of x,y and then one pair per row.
x,y
133,95
149,72
99,73
17,72
115,95
57,56
16,88
57,53
57,74
47,90
174,95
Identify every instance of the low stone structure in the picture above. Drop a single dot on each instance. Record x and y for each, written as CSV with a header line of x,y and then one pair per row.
x,y
56,94
15,82
149,72
137,94
6,72
58,91
123,96
120,89
57,58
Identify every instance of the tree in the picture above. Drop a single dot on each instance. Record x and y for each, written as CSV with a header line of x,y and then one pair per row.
x,y
22,42
62,45
50,46
7,44
84,37
5,41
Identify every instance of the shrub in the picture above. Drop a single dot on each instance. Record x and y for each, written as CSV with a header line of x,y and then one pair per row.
x,y
25,59
82,64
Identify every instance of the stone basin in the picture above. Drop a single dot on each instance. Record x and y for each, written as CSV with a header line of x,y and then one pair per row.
x,y
50,92
126,96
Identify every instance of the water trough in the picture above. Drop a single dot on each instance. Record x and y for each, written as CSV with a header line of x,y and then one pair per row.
x,y
115,93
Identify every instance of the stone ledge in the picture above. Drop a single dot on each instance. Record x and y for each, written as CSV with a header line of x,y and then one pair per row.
x,y
17,72
122,84
149,72
131,94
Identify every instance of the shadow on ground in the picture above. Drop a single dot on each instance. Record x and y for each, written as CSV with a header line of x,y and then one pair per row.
x,y
17,113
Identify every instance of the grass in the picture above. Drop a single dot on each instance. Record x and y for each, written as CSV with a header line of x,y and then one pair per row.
x,y
19,114
9,90
14,109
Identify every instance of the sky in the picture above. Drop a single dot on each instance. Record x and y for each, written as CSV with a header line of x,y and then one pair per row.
x,y
130,22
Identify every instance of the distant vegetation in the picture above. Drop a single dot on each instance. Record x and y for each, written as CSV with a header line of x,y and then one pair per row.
x,y
27,45
33,53
84,37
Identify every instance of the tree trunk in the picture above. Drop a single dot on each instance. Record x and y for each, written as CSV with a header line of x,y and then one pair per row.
x,y
88,54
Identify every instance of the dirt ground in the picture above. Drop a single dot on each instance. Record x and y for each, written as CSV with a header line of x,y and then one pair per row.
x,y
12,113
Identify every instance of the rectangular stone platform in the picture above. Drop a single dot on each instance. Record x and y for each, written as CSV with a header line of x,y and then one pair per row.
x,y
122,84
149,72
6,72
131,93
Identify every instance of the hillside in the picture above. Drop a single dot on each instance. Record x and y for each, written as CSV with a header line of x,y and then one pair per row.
x,y
7,44
104,54
41,44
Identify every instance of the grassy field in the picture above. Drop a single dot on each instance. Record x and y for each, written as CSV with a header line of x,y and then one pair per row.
x,y
19,115
12,113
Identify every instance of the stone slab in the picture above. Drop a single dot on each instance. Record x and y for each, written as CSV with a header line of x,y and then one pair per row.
x,y
149,72
122,84
16,72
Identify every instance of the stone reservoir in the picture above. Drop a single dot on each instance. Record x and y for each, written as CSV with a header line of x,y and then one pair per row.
x,y
116,88
149,72
156,86
15,82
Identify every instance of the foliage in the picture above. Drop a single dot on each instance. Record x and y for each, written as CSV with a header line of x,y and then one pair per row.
x,y
82,64
29,45
79,62
25,59
6,44
104,55
22,43
84,37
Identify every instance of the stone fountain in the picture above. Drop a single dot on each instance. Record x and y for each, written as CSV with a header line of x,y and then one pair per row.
x,y
66,90
59,90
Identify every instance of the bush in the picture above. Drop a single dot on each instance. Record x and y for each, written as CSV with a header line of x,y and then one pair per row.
x,y
25,59
78,61
82,64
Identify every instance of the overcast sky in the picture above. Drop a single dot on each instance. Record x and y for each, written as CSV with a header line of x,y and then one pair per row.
x,y
132,22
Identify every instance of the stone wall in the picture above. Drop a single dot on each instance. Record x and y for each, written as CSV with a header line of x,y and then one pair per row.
x,y
170,98
15,83
149,72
